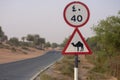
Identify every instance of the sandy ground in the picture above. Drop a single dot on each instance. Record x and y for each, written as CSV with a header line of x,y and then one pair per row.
x,y
10,56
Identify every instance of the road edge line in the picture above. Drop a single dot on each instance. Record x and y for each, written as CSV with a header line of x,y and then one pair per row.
x,y
37,74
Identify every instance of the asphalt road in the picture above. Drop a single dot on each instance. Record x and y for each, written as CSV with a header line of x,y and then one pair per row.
x,y
26,69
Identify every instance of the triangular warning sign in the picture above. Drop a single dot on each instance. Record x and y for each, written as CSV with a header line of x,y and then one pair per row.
x,y
76,44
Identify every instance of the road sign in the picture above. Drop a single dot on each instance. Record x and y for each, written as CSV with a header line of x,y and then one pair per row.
x,y
76,14
76,44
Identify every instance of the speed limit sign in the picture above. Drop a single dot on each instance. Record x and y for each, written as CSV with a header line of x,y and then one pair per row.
x,y
76,14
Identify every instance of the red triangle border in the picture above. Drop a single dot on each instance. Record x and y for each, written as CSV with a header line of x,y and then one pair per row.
x,y
76,53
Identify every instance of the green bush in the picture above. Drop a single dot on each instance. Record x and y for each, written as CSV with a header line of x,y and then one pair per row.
x,y
13,49
66,66
1,45
25,48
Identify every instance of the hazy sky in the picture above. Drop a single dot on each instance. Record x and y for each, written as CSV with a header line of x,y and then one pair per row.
x,y
45,17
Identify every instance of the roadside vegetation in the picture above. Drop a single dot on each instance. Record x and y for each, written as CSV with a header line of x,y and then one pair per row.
x,y
106,48
47,77
29,41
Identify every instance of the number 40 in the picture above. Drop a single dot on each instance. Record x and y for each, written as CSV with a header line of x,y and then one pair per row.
x,y
78,18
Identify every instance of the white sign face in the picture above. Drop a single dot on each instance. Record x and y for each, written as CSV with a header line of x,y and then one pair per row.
x,y
76,14
76,44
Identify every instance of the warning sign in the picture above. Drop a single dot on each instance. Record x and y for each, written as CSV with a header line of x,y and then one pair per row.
x,y
76,44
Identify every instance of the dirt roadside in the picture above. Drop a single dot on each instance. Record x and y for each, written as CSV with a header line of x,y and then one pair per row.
x,y
84,67
7,55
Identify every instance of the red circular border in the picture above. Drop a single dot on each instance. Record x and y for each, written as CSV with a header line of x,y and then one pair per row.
x,y
64,14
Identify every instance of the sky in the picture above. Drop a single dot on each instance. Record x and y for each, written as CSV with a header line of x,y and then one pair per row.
x,y
45,17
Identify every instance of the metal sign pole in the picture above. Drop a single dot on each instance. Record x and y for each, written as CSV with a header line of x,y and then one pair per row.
x,y
76,68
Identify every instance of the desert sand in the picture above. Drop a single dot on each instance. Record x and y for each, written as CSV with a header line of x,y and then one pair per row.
x,y
7,55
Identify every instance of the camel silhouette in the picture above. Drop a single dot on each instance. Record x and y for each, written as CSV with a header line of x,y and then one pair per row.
x,y
78,45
